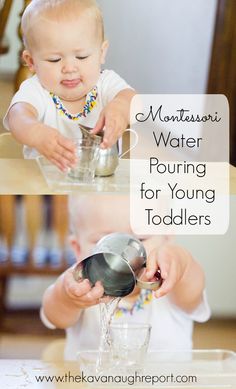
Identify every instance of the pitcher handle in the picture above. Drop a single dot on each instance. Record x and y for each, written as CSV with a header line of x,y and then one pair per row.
x,y
150,285
135,142
77,272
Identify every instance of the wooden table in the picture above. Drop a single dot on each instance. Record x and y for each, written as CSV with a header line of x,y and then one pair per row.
x,y
19,176
16,374
25,374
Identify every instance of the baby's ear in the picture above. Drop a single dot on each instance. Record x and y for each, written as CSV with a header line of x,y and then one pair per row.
x,y
105,46
75,246
28,59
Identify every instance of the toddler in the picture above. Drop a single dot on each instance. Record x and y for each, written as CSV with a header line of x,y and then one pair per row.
x,y
170,310
65,48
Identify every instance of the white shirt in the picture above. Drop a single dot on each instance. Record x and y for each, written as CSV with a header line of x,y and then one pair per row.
x,y
171,327
108,86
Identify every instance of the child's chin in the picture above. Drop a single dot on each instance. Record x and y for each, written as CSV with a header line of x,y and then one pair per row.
x,y
71,96
135,292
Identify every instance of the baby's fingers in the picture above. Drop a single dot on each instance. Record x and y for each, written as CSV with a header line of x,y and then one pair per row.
x,y
59,161
165,288
158,259
58,164
75,288
167,284
94,294
99,125
66,143
79,289
65,156
112,132
152,264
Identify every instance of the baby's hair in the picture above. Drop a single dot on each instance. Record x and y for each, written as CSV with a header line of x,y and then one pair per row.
x,y
79,206
59,10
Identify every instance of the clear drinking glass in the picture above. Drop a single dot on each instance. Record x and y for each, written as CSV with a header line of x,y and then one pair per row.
x,y
87,152
129,344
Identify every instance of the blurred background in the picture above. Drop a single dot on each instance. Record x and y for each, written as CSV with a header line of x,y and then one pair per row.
x,y
34,250
158,46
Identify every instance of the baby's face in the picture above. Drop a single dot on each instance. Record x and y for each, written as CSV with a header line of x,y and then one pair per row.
x,y
67,56
100,215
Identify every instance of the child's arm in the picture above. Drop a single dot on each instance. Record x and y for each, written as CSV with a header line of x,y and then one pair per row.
x,y
23,123
114,118
63,301
183,277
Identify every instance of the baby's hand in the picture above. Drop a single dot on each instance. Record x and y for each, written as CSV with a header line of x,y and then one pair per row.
x,y
113,122
81,294
172,267
55,147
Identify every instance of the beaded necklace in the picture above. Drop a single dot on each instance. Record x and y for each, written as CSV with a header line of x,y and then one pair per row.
x,y
145,298
89,105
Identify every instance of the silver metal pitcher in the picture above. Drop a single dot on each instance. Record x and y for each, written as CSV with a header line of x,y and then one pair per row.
x,y
108,159
117,261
